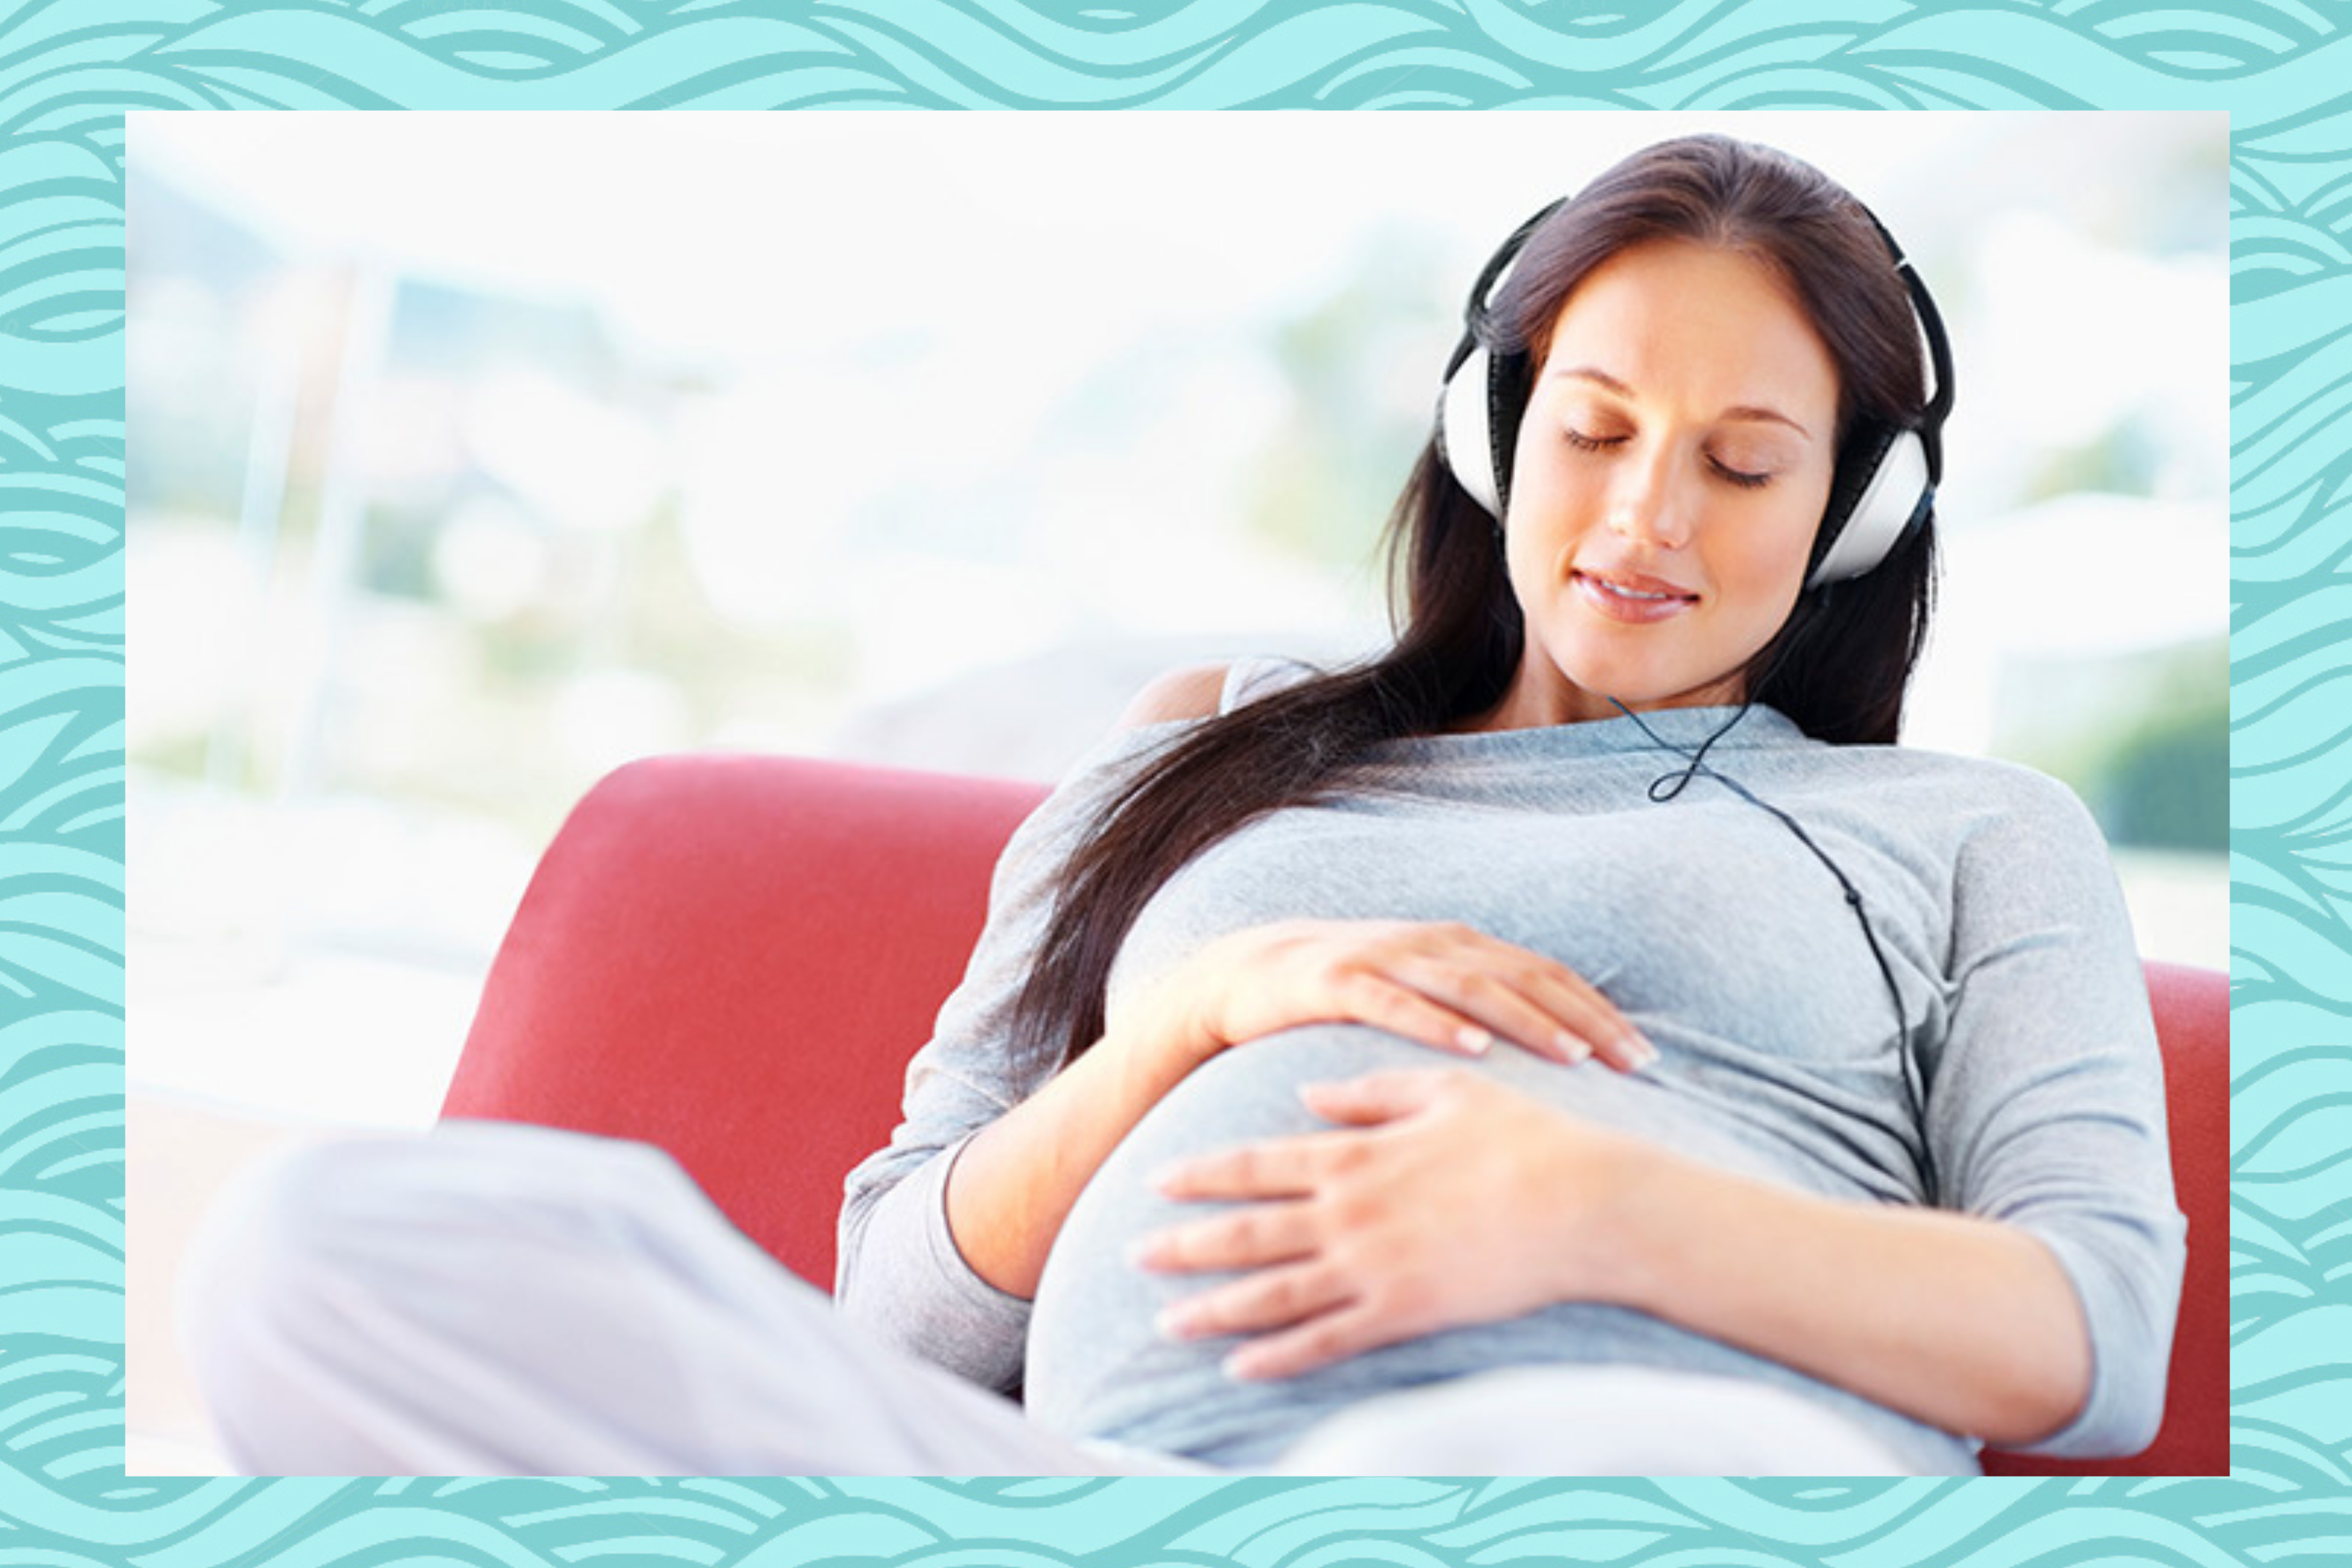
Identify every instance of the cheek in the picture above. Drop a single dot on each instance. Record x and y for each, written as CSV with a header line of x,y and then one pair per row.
x,y
1535,534
1773,550
1766,578
1553,503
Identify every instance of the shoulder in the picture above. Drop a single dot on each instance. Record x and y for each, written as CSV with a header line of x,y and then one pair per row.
x,y
2003,816
1193,692
1201,691
1995,780
1982,810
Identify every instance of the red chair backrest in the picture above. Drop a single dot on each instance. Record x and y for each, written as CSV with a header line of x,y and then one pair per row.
x,y
733,958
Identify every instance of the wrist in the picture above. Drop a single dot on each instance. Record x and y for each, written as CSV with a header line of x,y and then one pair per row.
x,y
1155,1048
1623,1224
1165,1031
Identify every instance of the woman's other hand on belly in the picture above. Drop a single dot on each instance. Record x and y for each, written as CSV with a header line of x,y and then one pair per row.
x,y
1437,984
1444,1199
1440,983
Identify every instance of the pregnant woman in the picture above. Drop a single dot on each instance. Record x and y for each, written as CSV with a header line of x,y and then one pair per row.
x,y
1577,1039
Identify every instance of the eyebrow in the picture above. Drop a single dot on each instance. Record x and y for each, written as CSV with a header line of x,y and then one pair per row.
x,y
1609,383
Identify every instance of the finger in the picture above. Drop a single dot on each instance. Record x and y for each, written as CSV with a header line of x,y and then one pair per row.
x,y
1383,1000
1592,1019
1270,1299
1504,1000
1277,1168
1332,1336
1251,1237
1540,1003
1375,1097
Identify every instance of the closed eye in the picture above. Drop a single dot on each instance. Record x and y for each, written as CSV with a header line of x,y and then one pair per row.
x,y
1741,477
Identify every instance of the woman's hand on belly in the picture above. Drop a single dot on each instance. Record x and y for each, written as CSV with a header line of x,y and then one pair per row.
x,y
1440,983
1446,1200
1011,1189
1449,1200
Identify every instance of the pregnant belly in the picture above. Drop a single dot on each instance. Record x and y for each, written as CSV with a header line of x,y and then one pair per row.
x,y
1097,1366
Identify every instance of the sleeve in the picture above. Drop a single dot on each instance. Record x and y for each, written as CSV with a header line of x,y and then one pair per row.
x,y
2045,1105
897,1270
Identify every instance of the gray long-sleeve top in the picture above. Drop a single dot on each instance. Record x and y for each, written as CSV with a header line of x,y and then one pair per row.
x,y
2027,1088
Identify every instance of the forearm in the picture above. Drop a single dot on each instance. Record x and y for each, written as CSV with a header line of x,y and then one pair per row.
x,y
1963,1322
1015,1182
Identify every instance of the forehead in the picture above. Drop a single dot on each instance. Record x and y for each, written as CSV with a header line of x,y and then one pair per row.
x,y
1676,318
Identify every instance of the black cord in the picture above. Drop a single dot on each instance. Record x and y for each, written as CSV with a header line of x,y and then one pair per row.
x,y
1667,786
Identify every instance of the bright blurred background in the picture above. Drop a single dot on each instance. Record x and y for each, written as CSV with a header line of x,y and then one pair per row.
x,y
474,455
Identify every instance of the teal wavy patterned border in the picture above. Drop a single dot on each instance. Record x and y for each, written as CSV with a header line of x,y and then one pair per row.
x,y
69,69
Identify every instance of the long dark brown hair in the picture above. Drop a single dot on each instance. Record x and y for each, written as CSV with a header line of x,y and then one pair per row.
x,y
1838,666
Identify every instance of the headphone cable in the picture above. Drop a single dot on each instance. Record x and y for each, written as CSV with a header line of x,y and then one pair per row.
x,y
1668,785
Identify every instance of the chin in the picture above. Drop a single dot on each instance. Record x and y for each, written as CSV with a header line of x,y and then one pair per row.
x,y
1642,683
1592,682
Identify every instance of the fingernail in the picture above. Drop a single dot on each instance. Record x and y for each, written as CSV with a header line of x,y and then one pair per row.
x,y
1143,1252
1570,1048
1644,1053
1240,1366
1173,1323
1477,1042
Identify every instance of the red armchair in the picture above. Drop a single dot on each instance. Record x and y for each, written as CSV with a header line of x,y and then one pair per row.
x,y
733,958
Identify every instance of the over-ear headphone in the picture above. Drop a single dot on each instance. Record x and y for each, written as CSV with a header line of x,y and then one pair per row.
x,y
1886,479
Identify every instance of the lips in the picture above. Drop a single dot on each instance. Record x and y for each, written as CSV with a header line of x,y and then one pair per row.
x,y
1639,583
1633,597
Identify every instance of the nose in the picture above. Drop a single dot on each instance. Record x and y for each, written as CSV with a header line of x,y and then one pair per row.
x,y
1651,508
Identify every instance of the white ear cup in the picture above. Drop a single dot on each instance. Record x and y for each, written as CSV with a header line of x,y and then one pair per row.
x,y
1465,431
1891,500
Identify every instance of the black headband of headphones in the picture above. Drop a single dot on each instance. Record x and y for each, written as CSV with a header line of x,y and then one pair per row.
x,y
1938,407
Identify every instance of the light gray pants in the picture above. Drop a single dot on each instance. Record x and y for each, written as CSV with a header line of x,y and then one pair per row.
x,y
501,1300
